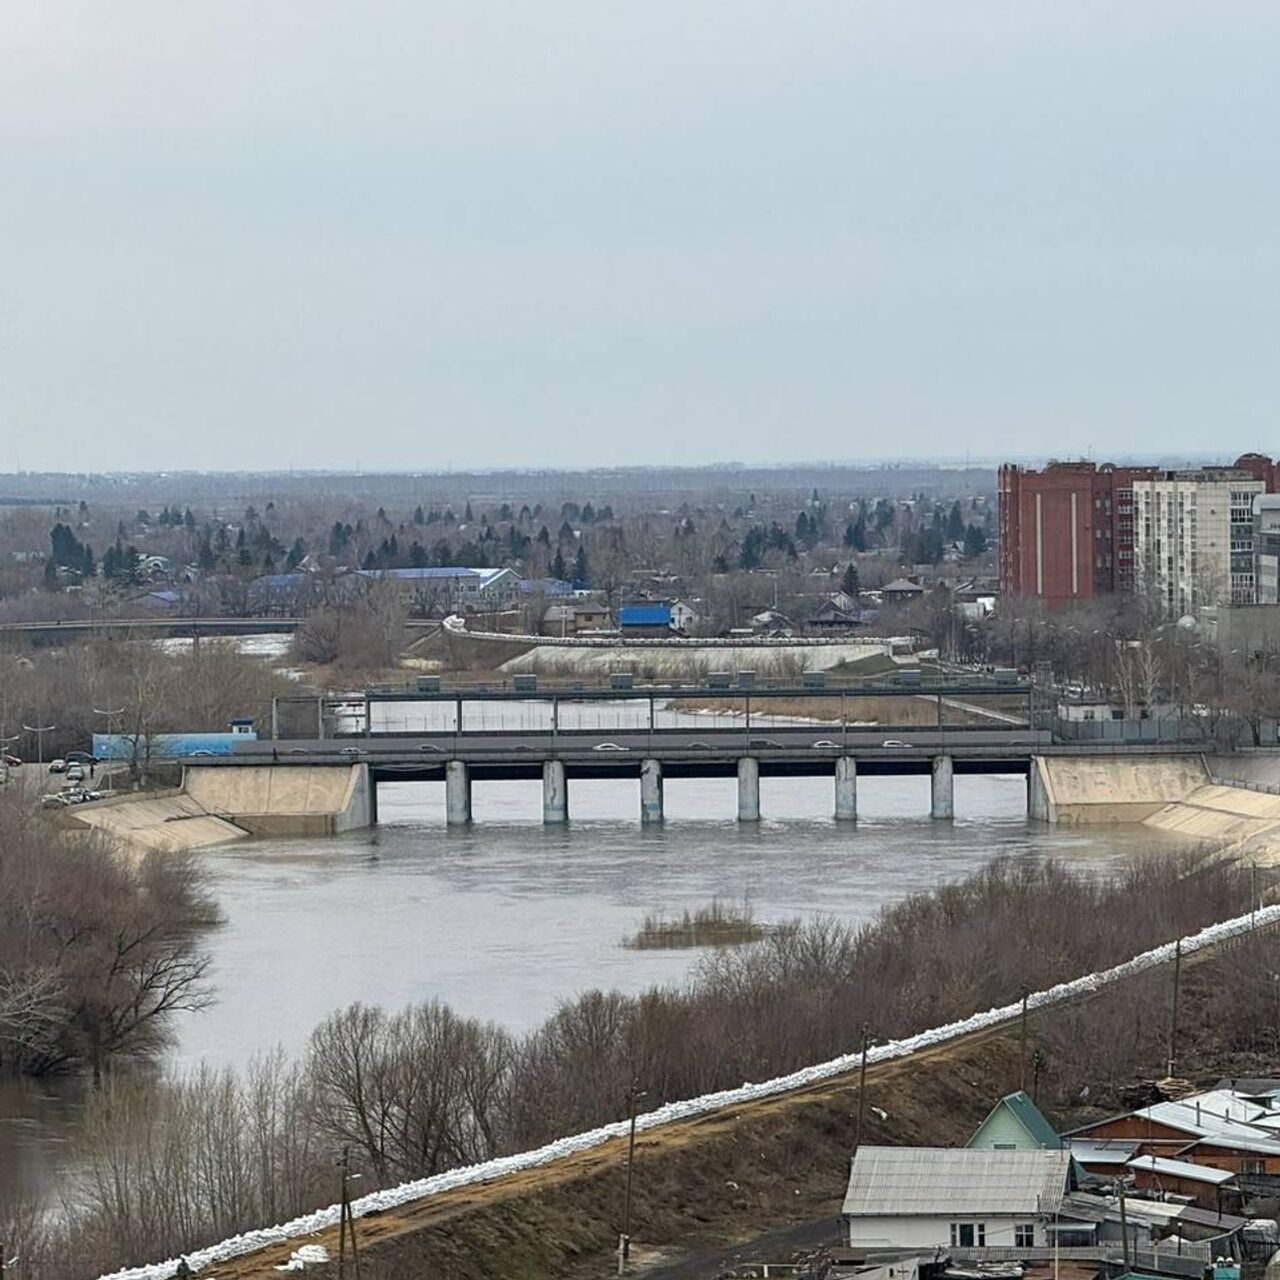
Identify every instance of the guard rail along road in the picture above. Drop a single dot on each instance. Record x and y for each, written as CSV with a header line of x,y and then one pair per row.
x,y
379,1201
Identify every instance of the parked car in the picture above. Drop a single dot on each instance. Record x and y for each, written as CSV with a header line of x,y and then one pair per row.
x,y
75,773
57,766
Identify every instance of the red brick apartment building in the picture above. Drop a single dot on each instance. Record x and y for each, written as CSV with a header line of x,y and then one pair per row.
x,y
1067,532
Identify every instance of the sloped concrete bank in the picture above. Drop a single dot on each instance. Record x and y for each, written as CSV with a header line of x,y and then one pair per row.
x,y
218,805
1229,802
169,821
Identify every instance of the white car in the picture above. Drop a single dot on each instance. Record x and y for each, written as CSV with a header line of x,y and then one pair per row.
x,y
609,746
894,742
825,744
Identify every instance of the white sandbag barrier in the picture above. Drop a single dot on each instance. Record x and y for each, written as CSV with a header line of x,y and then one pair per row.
x,y
503,1166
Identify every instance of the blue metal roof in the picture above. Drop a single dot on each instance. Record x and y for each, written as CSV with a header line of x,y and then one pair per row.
x,y
455,571
546,586
280,581
644,615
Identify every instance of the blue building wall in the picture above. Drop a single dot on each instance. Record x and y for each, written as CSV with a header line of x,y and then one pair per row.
x,y
167,746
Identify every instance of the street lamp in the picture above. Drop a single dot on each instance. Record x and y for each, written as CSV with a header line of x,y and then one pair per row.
x,y
113,718
40,731
624,1240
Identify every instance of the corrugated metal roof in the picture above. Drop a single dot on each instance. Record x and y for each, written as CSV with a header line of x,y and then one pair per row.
x,y
1094,1208
1104,1150
914,1181
1181,1169
1218,1113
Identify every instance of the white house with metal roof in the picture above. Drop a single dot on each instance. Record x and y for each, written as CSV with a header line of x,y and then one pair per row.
x,y
953,1198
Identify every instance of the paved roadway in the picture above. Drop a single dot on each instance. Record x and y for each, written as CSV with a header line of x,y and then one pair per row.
x,y
807,749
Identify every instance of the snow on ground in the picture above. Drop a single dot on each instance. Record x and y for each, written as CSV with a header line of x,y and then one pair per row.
x,y
504,1166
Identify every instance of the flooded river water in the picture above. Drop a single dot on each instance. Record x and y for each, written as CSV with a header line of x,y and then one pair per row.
x,y
506,918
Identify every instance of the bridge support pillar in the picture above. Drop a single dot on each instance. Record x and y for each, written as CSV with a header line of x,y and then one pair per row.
x,y
944,796
748,789
846,789
1039,805
457,793
555,793
650,791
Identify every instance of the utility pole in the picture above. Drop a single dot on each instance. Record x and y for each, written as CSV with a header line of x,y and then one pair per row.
x,y
862,1089
1173,1011
624,1240
1022,1051
346,1219
1124,1227
40,731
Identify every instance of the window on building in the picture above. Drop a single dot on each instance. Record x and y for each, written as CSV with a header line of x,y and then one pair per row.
x,y
967,1235
1253,1166
1024,1235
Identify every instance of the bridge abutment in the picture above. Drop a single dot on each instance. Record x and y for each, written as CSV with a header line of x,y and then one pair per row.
x,y
748,789
943,792
650,791
846,789
555,793
457,793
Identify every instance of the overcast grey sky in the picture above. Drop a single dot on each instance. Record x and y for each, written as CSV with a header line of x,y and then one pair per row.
x,y
271,233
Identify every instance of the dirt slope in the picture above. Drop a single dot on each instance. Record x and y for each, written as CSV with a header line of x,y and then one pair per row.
x,y
713,1180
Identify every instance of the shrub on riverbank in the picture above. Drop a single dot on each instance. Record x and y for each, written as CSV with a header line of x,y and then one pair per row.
x,y
97,950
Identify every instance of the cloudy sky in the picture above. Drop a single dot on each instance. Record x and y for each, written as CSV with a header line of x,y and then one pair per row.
x,y
273,233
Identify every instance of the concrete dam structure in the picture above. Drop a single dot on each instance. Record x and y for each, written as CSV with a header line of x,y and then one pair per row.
x,y
1231,801
218,806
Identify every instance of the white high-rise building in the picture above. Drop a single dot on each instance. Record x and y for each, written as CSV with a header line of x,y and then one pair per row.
x,y
1193,538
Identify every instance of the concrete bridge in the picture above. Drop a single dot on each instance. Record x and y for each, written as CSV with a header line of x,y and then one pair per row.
x,y
559,758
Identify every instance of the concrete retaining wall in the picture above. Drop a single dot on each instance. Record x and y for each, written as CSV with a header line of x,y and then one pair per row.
x,y
217,805
284,800
1070,789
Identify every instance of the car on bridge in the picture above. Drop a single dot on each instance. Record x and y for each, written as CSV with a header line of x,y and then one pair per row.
x,y
895,742
609,746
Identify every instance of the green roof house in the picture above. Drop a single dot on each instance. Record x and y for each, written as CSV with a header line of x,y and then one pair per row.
x,y
1015,1124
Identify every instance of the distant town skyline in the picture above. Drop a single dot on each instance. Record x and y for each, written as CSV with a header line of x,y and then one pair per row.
x,y
382,237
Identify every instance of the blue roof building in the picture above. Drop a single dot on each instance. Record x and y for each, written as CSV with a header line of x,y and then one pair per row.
x,y
644,615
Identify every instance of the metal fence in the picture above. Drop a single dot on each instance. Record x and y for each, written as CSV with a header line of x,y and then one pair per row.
x,y
1224,734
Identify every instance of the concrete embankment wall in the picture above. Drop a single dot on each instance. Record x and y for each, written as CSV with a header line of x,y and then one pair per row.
x,y
217,805
284,800
1071,789
149,821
